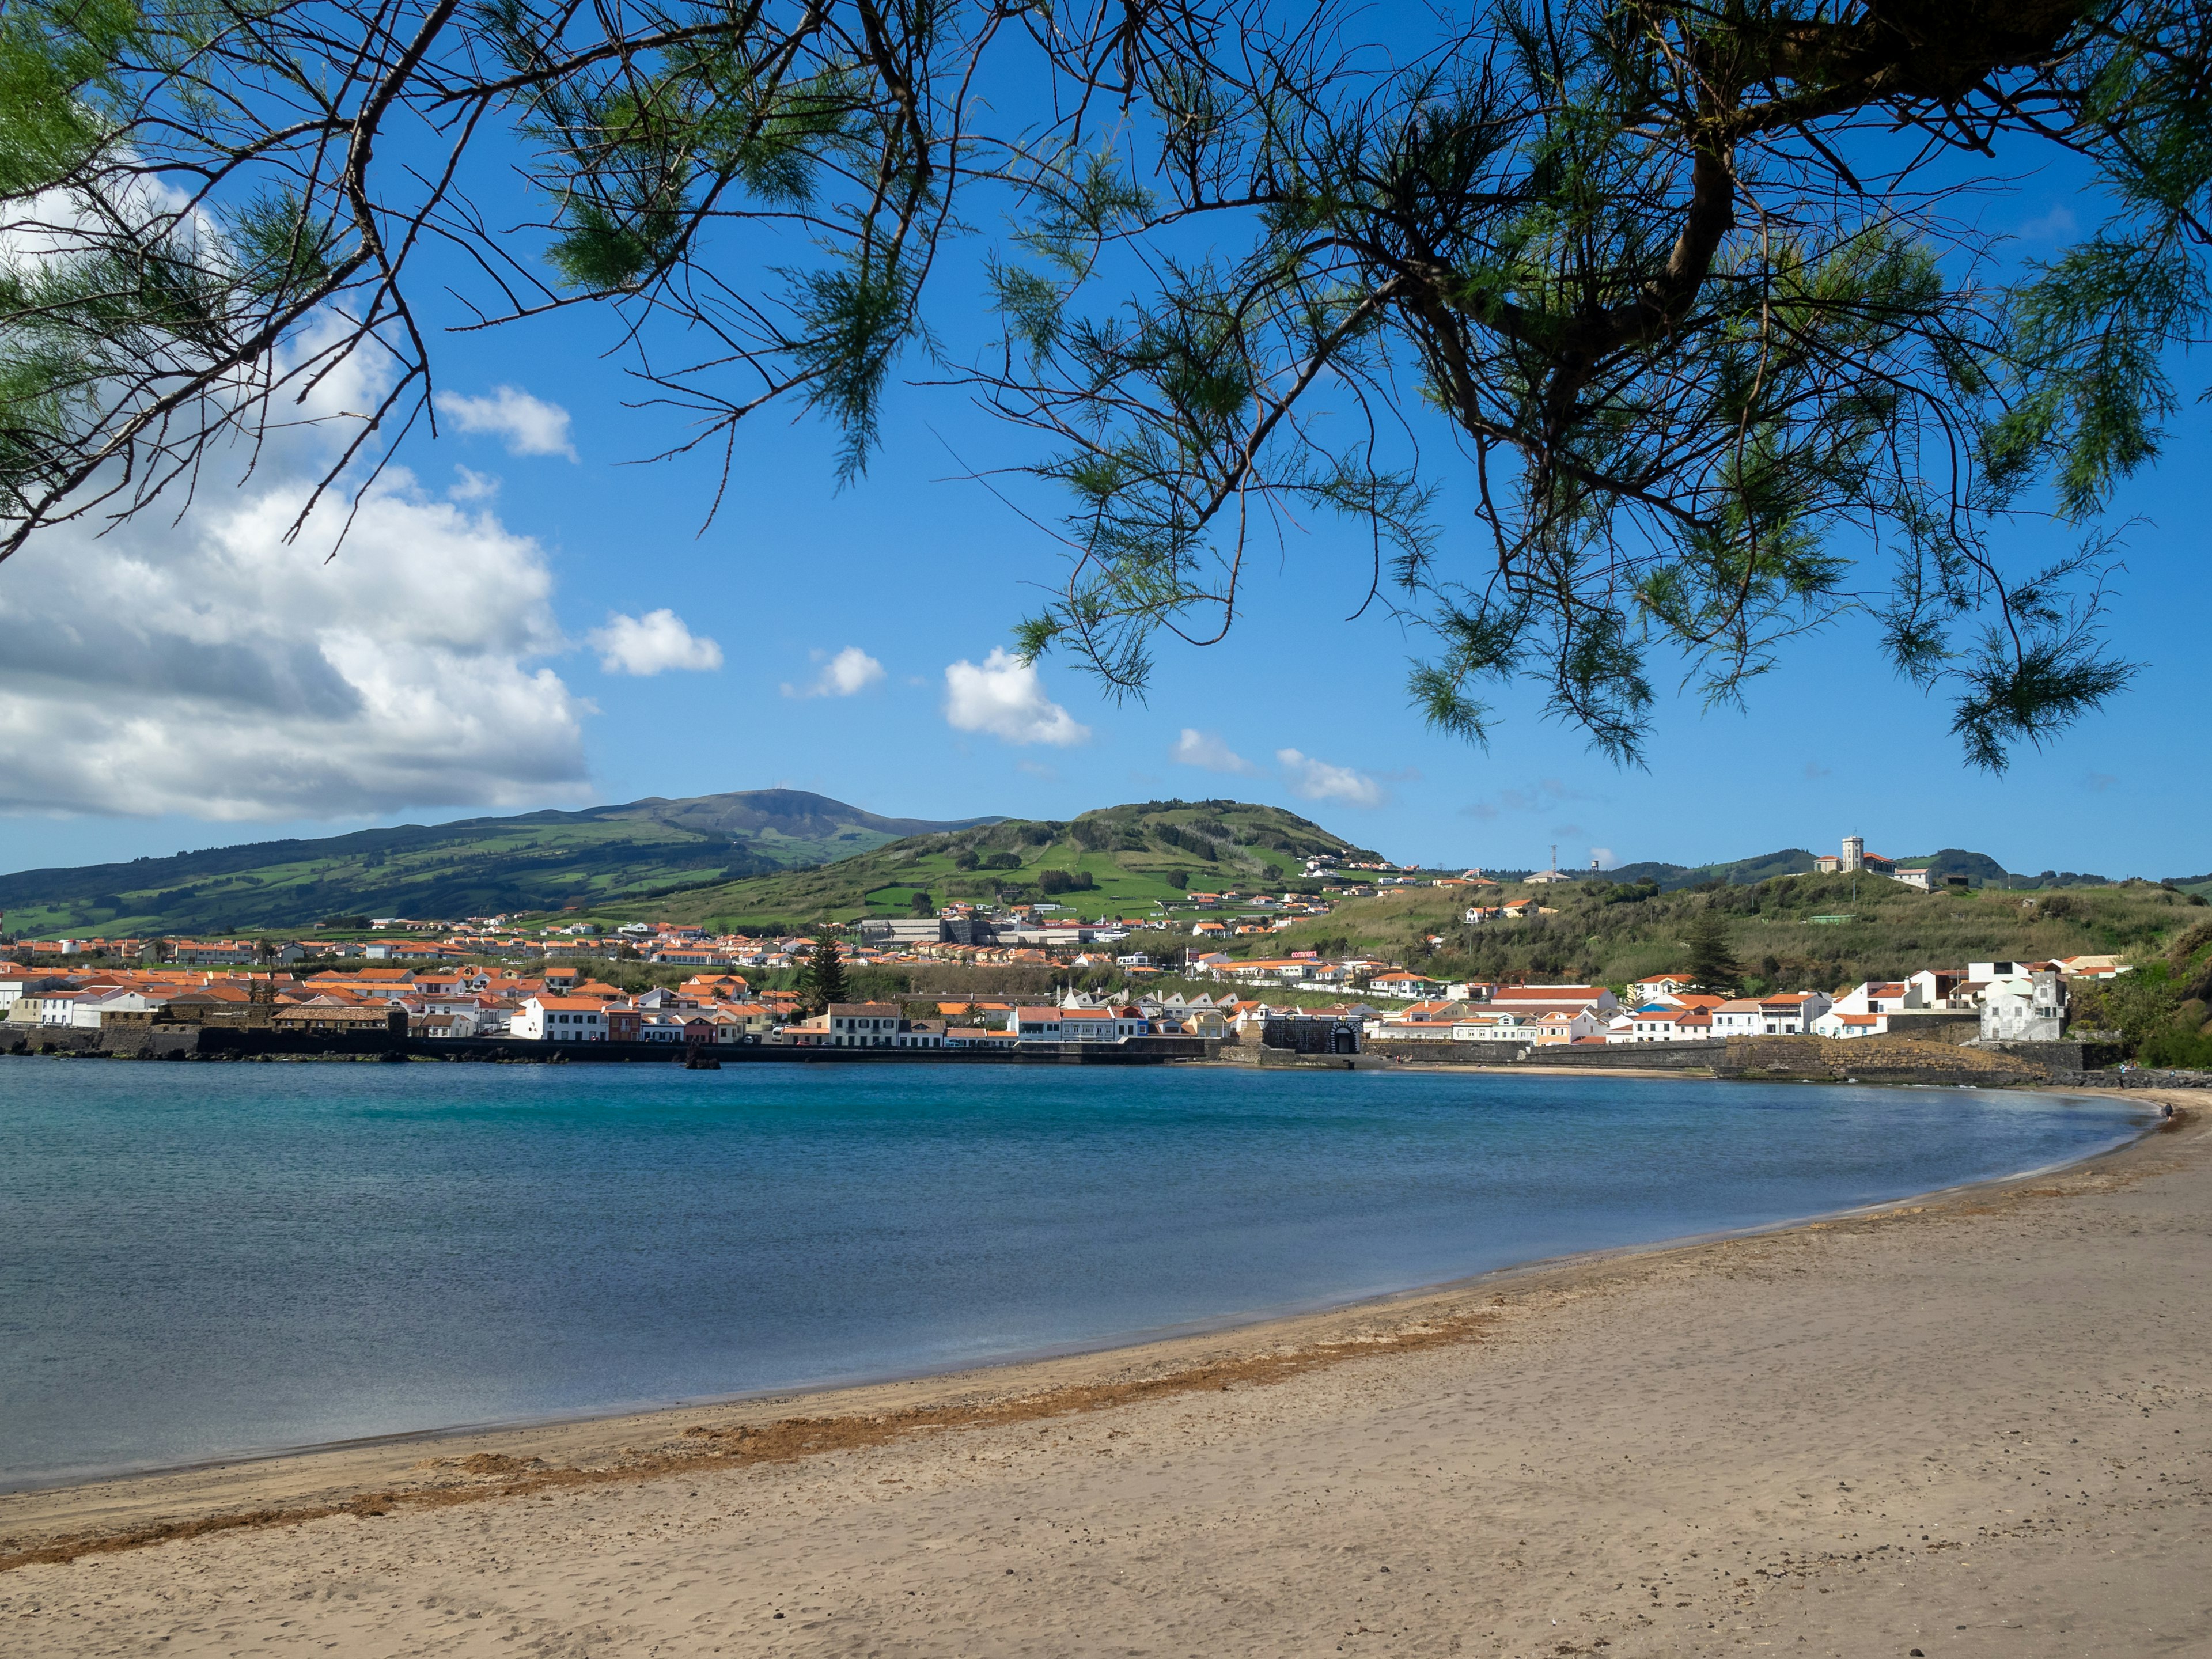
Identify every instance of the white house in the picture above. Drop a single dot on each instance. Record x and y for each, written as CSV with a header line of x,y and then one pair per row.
x,y
1566,1025
1493,1028
1656,1022
2025,1008
863,1024
1836,1022
1416,1028
13,988
1790,1014
560,1019
53,1005
1883,996
1938,988
1101,1024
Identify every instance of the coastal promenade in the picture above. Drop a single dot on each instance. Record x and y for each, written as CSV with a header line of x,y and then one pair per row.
x,y
1974,1423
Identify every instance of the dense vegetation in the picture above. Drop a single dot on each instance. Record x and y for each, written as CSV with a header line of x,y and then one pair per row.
x,y
2163,1010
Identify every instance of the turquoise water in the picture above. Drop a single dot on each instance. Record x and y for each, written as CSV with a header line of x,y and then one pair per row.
x,y
197,1261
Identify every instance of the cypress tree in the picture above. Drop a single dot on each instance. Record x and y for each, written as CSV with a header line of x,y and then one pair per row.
x,y
825,976
1712,967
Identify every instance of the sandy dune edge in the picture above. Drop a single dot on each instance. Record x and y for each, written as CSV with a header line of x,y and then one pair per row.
x,y
1890,1410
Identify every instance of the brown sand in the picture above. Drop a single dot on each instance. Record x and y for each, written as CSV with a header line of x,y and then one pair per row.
x,y
1974,1424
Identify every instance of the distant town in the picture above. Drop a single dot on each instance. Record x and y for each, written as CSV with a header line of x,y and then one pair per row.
x,y
486,977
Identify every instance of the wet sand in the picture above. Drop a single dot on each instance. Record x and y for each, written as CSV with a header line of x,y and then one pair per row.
x,y
1971,1425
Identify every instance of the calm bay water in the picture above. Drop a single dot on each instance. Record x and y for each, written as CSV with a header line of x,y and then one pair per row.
x,y
197,1260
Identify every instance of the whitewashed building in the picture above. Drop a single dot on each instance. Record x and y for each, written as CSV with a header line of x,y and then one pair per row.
x,y
2025,1008
560,1019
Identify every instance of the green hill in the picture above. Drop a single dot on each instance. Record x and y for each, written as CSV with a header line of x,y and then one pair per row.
x,y
1671,878
1793,932
1979,869
1118,860
477,866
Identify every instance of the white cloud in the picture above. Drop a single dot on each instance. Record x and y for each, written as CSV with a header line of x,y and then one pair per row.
x,y
851,670
1317,779
1207,750
530,425
2055,226
1006,698
469,485
1604,858
651,644
212,670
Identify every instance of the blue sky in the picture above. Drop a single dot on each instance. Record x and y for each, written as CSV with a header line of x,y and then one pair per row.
x,y
917,571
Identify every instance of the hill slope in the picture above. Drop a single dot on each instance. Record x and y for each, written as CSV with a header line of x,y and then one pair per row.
x,y
477,866
1671,878
1978,868
1118,858
1793,933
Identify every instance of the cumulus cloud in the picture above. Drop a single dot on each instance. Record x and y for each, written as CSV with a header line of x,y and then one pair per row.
x,y
851,670
211,670
528,425
651,644
1207,750
1006,698
1317,779
1603,858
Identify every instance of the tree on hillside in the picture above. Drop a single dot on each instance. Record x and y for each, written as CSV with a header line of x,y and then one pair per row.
x,y
824,981
1711,965
1681,299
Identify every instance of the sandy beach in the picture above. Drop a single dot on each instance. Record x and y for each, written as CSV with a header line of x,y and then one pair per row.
x,y
1971,1425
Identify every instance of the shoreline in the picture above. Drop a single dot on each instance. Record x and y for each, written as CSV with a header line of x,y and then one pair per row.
x,y
1251,1322
70,1518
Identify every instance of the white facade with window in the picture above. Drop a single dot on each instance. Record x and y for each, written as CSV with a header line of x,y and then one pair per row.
x,y
864,1025
560,1019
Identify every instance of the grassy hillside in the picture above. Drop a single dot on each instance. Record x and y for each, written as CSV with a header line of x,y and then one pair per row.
x,y
1118,860
1783,932
479,866
1669,877
1978,868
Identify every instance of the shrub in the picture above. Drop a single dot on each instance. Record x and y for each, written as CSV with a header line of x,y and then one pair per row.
x,y
2182,1051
